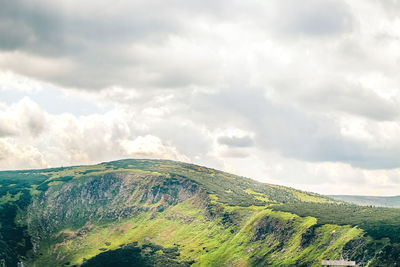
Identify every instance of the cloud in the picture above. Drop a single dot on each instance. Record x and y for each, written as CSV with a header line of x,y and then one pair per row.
x,y
150,147
24,118
290,92
349,98
31,116
5,130
315,18
10,81
305,136
15,155
235,141
66,139
96,45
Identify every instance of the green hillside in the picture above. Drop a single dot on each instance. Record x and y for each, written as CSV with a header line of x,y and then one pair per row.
x,y
389,202
166,213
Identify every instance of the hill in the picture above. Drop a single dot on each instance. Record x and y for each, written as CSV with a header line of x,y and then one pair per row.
x,y
390,202
166,213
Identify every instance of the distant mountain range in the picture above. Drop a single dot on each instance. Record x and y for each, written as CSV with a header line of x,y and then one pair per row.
x,y
166,213
390,202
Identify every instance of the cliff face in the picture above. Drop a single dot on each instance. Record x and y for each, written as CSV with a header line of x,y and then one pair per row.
x,y
163,213
105,198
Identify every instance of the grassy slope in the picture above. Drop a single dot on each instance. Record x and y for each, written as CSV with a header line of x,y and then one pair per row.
x,y
208,242
241,207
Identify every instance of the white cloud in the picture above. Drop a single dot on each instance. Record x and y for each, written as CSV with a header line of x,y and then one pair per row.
x,y
64,139
149,146
12,81
24,118
15,155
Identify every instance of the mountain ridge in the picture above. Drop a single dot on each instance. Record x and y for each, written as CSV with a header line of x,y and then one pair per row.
x,y
167,213
377,201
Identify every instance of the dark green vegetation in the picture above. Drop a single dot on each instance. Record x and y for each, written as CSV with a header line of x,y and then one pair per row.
x,y
130,255
166,213
389,202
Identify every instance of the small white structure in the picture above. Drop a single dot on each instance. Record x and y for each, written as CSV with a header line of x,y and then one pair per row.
x,y
338,263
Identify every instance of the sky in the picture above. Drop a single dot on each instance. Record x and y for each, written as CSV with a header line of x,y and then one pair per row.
x,y
298,93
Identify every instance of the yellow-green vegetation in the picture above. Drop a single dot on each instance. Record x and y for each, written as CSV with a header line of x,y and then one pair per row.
x,y
34,191
258,196
304,196
9,198
207,242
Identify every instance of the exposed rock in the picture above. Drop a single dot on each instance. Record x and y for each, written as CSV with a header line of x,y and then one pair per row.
x,y
281,230
308,236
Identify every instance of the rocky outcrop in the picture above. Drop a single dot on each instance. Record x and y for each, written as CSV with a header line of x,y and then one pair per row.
x,y
272,226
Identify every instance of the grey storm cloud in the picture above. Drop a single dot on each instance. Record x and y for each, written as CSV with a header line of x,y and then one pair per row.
x,y
351,99
293,132
235,141
104,44
98,44
291,19
66,27
316,18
